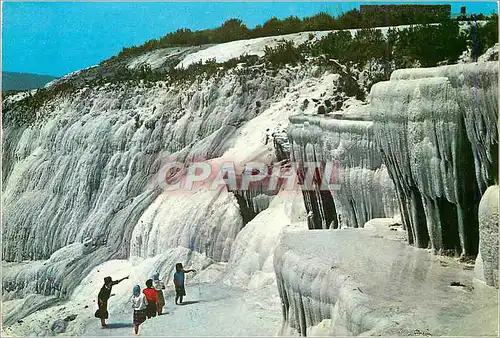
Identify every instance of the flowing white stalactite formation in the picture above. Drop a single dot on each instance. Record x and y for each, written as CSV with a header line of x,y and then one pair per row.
x,y
438,134
434,133
80,184
82,196
365,189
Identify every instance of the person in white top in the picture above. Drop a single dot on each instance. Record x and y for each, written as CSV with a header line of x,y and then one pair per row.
x,y
139,304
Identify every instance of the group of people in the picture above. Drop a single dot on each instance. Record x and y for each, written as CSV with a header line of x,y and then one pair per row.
x,y
146,304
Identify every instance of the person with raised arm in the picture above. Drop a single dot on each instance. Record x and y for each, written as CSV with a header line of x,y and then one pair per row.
x,y
179,275
103,297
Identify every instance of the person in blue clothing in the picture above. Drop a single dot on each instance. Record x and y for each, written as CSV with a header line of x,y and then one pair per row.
x,y
180,291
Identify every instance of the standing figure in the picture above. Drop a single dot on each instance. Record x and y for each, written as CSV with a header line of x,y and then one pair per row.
x,y
152,298
267,135
139,304
103,297
310,220
179,282
159,286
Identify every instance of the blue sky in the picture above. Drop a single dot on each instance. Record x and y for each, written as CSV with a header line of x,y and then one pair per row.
x,y
55,38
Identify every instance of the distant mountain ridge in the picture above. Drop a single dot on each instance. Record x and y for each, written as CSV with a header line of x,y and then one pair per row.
x,y
24,81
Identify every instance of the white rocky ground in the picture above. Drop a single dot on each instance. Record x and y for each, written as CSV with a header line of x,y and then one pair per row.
x,y
216,310
369,282
242,290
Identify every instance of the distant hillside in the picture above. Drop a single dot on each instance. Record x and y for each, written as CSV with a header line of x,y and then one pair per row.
x,y
24,81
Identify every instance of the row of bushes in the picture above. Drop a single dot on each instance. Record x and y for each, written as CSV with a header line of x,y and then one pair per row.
x,y
424,45
24,112
403,14
235,29
427,45
196,70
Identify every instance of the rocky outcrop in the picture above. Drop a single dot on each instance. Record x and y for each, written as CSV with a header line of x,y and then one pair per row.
x,y
436,129
366,282
88,169
422,135
89,165
361,186
488,237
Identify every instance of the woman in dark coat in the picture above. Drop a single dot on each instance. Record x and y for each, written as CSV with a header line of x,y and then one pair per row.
x,y
159,285
102,299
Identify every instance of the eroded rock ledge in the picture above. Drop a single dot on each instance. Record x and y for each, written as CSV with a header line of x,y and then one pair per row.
x,y
437,130
366,282
487,260
428,136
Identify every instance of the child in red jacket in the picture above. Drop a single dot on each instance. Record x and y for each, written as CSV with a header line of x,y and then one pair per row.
x,y
152,298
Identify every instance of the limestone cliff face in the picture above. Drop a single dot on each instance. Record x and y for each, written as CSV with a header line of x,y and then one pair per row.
x,y
364,191
88,168
437,132
425,145
487,260
81,183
